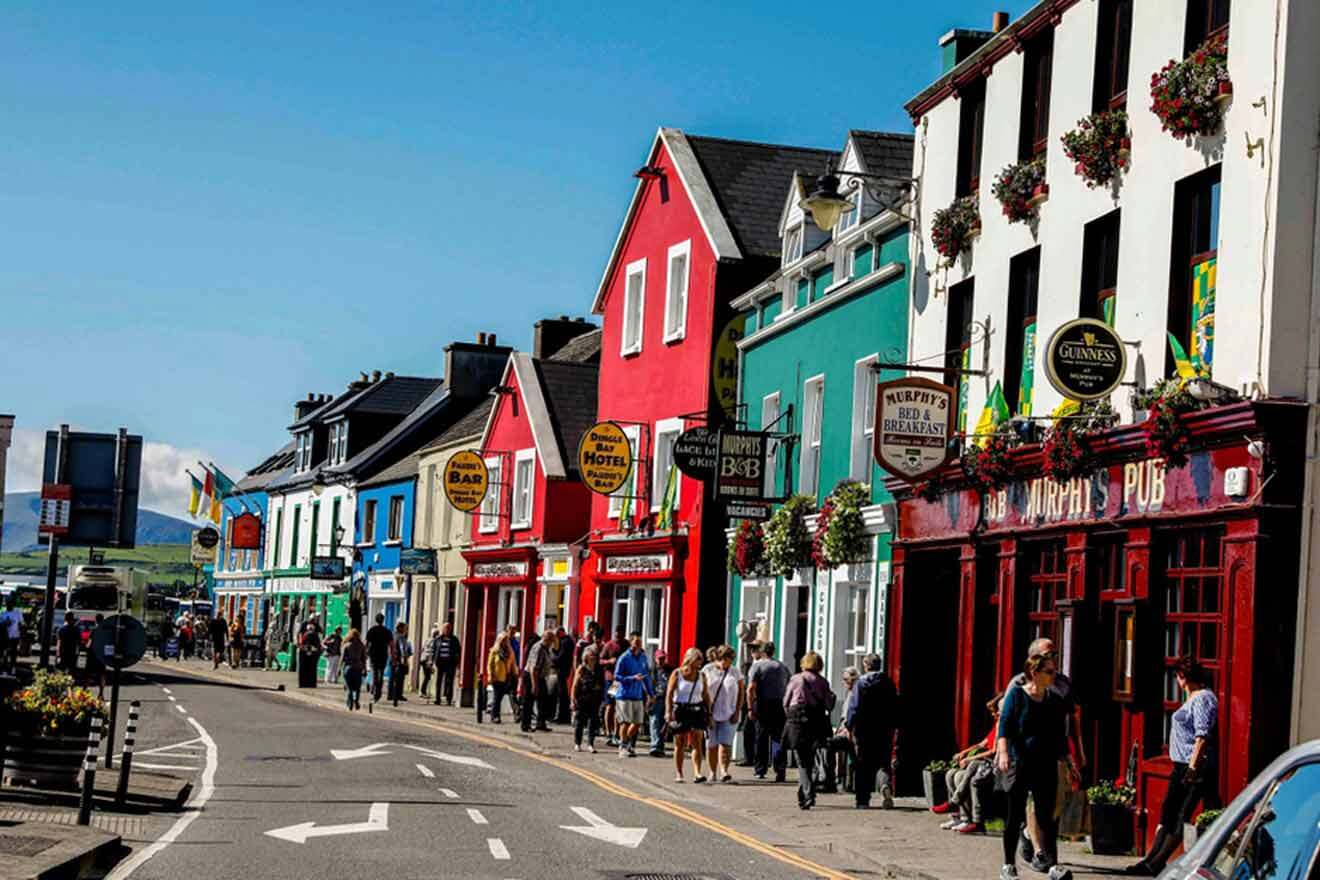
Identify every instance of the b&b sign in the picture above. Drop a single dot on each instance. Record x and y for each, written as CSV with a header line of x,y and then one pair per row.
x,y
740,469
914,421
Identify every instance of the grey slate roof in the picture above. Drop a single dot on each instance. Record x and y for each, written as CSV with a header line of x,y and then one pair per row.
x,y
884,152
581,349
269,470
403,469
364,462
467,428
391,396
570,396
749,181
320,411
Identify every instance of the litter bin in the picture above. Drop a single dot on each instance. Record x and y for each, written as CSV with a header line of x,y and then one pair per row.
x,y
308,662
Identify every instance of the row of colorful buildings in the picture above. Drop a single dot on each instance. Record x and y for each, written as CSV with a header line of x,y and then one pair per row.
x,y
771,288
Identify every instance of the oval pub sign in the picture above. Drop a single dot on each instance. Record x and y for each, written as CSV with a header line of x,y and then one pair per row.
x,y
605,458
1085,359
914,422
466,480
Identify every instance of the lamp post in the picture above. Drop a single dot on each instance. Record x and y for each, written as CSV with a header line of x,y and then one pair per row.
x,y
826,203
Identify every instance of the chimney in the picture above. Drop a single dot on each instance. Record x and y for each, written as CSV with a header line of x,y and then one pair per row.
x,y
490,339
551,334
481,339
959,44
303,408
472,369
1000,21
375,376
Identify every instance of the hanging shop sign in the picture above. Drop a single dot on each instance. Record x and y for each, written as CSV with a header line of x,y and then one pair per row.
x,y
327,568
914,422
204,541
651,563
724,366
415,560
245,532
499,569
466,480
605,458
696,453
1085,359
741,466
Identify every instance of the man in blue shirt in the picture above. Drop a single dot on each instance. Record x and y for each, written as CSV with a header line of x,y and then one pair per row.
x,y
632,679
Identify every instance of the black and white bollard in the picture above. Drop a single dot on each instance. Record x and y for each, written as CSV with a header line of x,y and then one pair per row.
x,y
89,772
126,760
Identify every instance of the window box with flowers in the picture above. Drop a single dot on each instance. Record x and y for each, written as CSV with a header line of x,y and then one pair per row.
x,y
1021,188
1064,453
1167,437
987,464
1100,147
840,529
1188,96
747,551
787,538
953,229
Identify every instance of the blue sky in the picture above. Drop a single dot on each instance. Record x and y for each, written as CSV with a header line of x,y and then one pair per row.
x,y
211,210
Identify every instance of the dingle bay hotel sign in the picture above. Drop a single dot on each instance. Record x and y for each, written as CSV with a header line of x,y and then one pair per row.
x,y
914,422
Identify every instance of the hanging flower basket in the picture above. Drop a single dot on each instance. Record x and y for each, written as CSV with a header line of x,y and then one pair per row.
x,y
1166,435
747,550
1189,95
1100,147
840,531
987,466
1020,188
787,539
1065,453
954,228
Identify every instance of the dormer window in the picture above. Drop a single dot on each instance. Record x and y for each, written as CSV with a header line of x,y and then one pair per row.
x,y
338,451
303,457
851,217
793,245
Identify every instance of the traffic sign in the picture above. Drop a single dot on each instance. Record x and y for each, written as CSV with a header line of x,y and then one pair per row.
x,y
56,500
130,635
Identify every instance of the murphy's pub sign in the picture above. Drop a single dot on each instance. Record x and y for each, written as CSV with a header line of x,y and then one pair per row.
x,y
914,421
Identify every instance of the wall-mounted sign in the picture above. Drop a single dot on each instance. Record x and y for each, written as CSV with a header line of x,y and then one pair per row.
x,y
466,480
724,366
914,422
748,510
605,458
327,568
1085,359
204,541
413,560
651,563
245,532
499,569
740,469
696,453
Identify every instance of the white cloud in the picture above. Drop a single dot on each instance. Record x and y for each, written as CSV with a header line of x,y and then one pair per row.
x,y
164,485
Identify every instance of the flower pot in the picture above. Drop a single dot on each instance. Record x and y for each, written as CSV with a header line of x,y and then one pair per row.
x,y
44,761
1039,195
932,781
1111,829
1224,91
1189,835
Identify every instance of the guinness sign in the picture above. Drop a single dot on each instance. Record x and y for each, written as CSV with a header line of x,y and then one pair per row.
x,y
1085,359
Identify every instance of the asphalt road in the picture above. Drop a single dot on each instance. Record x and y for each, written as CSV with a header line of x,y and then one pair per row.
x,y
428,803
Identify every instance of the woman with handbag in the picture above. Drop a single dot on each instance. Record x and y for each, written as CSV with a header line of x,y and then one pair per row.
x,y
687,713
588,691
1032,740
808,702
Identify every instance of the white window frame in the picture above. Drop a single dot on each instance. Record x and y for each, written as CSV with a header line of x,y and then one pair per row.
x,y
636,607
676,316
489,512
523,518
663,454
339,442
813,410
771,409
635,269
863,428
855,212
857,645
303,443
793,243
633,433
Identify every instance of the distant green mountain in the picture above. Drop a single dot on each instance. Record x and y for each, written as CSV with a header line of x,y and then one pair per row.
x,y
22,510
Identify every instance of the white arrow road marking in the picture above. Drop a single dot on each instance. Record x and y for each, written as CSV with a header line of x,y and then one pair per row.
x,y
602,830
377,820
497,849
426,771
187,745
449,793
453,759
370,751
476,817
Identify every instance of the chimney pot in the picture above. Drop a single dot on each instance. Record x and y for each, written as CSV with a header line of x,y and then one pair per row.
x,y
563,317
481,339
490,339
1000,21
389,374
375,375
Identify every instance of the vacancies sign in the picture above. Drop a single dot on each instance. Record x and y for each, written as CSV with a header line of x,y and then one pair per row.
x,y
1085,359
914,422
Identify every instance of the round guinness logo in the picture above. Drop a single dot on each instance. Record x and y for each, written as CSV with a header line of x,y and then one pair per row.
x,y
1085,359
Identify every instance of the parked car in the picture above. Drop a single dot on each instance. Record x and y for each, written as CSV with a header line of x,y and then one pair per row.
x,y
1270,830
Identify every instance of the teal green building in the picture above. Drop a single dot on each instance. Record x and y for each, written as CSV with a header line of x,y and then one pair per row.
x,y
816,332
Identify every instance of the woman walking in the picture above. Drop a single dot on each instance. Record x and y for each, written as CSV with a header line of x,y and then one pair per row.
x,y
1032,741
501,674
588,691
334,646
687,711
355,666
807,705
1192,739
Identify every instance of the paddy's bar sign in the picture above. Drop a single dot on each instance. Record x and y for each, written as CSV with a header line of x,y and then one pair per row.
x,y
605,458
466,480
1085,359
914,421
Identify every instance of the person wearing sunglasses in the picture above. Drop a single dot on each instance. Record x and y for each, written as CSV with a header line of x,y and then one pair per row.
x,y
1032,740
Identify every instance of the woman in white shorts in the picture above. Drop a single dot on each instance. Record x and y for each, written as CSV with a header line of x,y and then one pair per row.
x,y
725,685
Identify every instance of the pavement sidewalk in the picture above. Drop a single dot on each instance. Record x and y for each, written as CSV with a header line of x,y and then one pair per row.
x,y
905,842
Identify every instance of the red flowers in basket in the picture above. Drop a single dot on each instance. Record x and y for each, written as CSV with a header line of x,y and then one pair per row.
x,y
1100,147
1188,95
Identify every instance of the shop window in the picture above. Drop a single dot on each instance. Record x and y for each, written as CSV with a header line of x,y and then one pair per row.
x,y
813,410
1194,266
971,133
451,602
369,521
524,473
756,609
1034,134
634,307
958,343
859,624
490,505
1107,573
1100,268
1020,333
863,425
638,609
297,530
1047,583
1205,18
676,291
1193,609
1112,51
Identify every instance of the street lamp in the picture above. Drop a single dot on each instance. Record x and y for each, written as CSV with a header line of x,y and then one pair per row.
x,y
827,204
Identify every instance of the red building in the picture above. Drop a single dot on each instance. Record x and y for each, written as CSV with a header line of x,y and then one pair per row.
x,y
1126,568
528,535
702,227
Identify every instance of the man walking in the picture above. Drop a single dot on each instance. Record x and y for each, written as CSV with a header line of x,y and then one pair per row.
x,y
219,632
68,642
445,653
659,687
632,674
563,661
871,721
379,639
536,674
767,681
609,657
